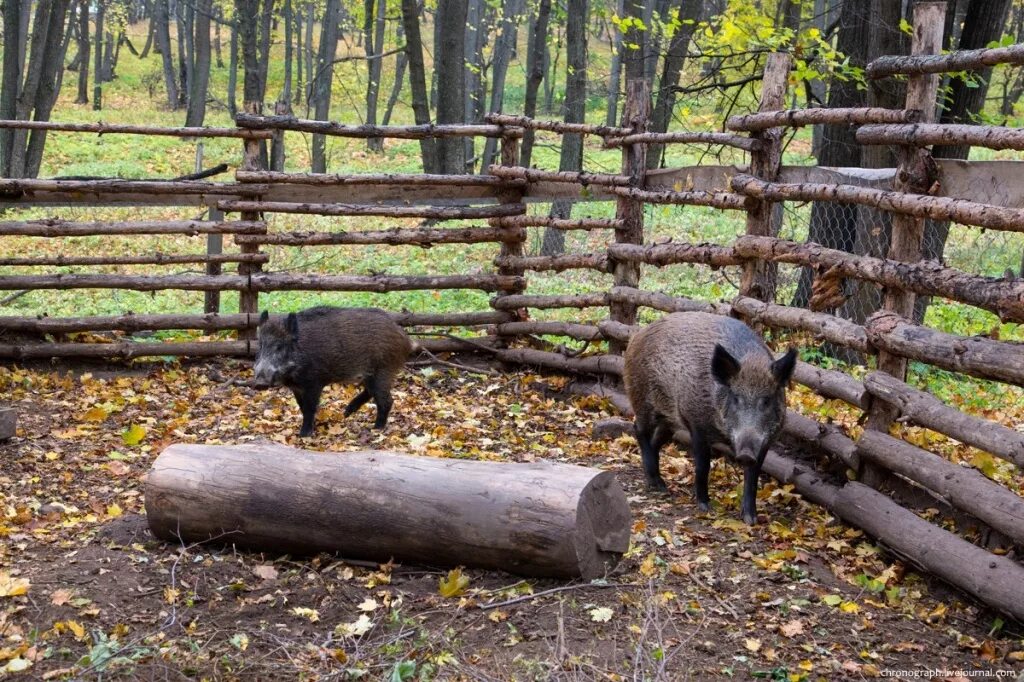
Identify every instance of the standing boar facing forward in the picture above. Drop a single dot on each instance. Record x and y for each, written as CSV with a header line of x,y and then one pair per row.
x,y
308,350
714,377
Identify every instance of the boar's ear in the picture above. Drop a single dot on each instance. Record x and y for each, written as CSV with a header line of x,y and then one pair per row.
x,y
782,368
723,366
291,325
264,316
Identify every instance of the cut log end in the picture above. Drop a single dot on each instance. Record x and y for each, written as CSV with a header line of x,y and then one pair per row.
x,y
603,524
8,422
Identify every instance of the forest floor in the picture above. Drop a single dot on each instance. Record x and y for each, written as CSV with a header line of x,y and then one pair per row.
x,y
86,592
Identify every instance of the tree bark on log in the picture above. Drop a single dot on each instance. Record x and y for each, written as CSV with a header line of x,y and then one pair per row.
x,y
380,283
828,327
726,200
591,364
537,519
414,132
387,179
535,175
561,223
726,139
128,323
976,356
421,236
827,438
963,60
62,228
1004,297
917,205
158,259
128,129
125,350
832,384
572,261
98,187
796,118
433,212
967,489
664,302
928,411
669,254
545,301
582,332
554,126
926,134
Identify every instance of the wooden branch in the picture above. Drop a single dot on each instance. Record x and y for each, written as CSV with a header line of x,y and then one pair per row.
x,y
156,259
100,187
62,228
380,283
1003,297
559,223
832,384
995,580
116,128
925,134
725,200
726,139
130,282
965,488
918,205
570,261
536,519
827,438
125,350
555,126
962,60
590,364
434,212
534,175
421,236
928,411
610,329
415,132
583,332
387,179
976,356
668,254
472,319
829,327
544,301
664,302
795,118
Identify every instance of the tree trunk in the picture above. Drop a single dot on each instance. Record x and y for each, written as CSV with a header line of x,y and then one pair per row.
x,y
575,110
199,85
183,48
289,54
476,32
451,17
83,53
401,63
11,83
218,20
687,17
49,86
611,116
417,81
537,41
504,46
97,91
537,519
321,81
233,70
299,59
162,19
374,27
310,74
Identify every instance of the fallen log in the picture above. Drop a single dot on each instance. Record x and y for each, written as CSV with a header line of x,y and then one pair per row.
x,y
414,132
668,254
795,118
925,134
537,519
976,356
590,364
582,332
928,411
119,186
156,259
827,438
918,205
961,60
832,384
559,223
697,197
829,327
535,175
131,282
63,228
388,179
419,236
125,350
546,301
965,488
378,283
569,261
127,323
120,128
8,422
745,143
433,212
1004,297
664,302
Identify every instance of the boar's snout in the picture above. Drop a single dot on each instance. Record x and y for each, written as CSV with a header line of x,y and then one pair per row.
x,y
746,445
264,374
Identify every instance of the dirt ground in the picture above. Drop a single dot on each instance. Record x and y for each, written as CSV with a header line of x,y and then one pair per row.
x,y
87,593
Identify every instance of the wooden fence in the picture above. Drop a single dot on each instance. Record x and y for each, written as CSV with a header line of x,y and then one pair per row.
x,y
893,477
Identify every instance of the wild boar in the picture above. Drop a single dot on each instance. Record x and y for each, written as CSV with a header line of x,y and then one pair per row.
x,y
715,377
324,345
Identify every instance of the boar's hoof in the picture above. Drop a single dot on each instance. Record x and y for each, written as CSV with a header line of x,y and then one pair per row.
x,y
750,519
704,507
657,485
306,433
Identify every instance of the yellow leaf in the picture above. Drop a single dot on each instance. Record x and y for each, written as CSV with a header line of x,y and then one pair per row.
x,y
454,584
114,510
806,665
647,567
170,594
752,644
96,414
13,587
16,665
133,435
312,614
849,607
601,614
77,629
339,655
369,604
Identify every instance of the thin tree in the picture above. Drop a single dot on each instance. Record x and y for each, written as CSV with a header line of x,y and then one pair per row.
x,y
83,53
199,84
417,80
687,15
97,91
451,82
321,80
611,116
162,21
534,73
575,109
401,63
504,47
373,28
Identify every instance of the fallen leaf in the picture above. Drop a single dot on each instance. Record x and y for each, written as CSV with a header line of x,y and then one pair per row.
x,y
357,628
95,414
13,587
454,584
601,614
303,612
753,645
792,628
369,604
133,435
265,572
61,597
240,641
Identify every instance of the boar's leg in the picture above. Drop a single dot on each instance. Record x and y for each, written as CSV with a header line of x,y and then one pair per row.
x,y
751,474
380,388
700,448
357,402
308,398
651,434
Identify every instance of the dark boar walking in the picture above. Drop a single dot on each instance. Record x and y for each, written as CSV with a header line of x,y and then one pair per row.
x,y
714,377
308,350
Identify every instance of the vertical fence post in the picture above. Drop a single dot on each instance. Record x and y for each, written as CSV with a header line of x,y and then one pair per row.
x,y
214,245
513,247
248,299
914,174
636,112
760,277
